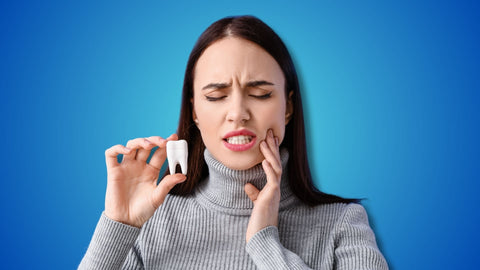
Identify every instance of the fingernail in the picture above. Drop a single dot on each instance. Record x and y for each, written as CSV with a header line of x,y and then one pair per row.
x,y
276,140
270,132
148,142
128,149
263,143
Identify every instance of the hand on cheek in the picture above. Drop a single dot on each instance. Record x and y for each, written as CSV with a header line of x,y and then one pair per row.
x,y
266,201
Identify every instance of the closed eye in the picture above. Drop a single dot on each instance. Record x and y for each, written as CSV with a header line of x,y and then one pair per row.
x,y
262,96
214,98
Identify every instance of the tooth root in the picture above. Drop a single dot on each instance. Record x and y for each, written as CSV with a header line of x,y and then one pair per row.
x,y
177,153
171,166
183,163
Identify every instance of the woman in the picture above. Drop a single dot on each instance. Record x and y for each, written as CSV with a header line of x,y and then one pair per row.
x,y
248,200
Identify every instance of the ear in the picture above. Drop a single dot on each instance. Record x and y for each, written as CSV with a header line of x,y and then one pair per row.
x,y
289,109
194,115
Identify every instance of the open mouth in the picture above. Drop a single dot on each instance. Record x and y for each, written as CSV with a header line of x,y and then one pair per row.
x,y
241,139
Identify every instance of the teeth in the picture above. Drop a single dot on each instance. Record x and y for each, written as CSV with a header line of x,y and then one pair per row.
x,y
239,139
177,153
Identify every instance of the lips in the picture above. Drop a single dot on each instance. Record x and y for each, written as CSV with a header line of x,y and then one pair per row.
x,y
239,140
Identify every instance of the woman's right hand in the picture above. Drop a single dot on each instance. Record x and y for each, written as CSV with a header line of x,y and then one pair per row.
x,y
132,191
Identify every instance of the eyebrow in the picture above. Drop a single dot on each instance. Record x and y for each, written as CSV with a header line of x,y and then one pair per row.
x,y
225,85
258,83
216,86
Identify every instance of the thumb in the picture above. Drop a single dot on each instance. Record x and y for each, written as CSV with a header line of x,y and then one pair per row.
x,y
251,191
167,183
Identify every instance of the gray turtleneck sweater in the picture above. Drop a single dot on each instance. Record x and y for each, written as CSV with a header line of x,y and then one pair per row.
x,y
207,230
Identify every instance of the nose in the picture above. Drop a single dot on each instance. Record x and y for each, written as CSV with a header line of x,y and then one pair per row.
x,y
238,111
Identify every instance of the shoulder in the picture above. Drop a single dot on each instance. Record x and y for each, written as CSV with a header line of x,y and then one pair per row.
x,y
312,218
353,214
331,211
333,216
353,227
342,222
342,215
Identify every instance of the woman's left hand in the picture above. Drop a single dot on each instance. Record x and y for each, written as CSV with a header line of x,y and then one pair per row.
x,y
266,201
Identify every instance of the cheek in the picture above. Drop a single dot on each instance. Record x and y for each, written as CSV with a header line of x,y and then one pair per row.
x,y
279,130
204,111
210,119
275,120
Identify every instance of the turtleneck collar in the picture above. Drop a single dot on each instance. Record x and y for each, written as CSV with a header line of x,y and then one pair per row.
x,y
223,190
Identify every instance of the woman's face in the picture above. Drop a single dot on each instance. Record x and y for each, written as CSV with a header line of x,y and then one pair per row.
x,y
239,94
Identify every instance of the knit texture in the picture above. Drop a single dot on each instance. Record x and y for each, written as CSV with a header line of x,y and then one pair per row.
x,y
207,230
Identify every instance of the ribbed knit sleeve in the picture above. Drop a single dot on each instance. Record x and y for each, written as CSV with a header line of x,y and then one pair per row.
x,y
356,247
110,245
267,252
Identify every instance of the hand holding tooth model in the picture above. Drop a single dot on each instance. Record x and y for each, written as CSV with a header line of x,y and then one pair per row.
x,y
132,191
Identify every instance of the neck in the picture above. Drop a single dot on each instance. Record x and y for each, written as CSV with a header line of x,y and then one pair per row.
x,y
223,190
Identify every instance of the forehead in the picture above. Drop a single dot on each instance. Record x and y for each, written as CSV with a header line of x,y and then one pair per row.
x,y
236,57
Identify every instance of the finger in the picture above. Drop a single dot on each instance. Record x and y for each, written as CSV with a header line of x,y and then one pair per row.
x,y
272,142
143,153
136,144
161,142
159,154
277,147
272,176
272,159
158,157
173,137
251,191
167,183
111,154
157,140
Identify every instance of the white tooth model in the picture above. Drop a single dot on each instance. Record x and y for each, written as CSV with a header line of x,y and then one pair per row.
x,y
177,153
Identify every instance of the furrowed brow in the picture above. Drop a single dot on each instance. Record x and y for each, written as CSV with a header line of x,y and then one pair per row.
x,y
215,86
258,83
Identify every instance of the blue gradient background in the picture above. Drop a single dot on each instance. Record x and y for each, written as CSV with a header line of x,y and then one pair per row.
x,y
391,93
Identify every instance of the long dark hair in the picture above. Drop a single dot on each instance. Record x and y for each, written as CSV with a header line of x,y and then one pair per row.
x,y
252,29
